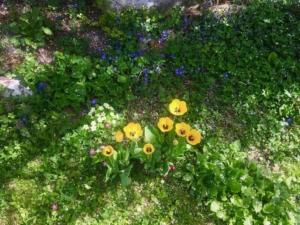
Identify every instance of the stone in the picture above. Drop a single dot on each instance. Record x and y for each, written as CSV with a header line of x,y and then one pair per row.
x,y
13,87
118,4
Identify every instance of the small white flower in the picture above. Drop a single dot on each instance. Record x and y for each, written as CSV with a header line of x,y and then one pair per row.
x,y
93,128
100,119
106,105
85,127
101,108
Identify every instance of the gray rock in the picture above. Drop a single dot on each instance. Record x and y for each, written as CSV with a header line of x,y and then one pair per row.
x,y
13,87
144,3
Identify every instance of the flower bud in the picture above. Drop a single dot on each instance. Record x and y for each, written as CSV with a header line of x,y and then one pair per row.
x,y
54,207
172,167
175,142
92,152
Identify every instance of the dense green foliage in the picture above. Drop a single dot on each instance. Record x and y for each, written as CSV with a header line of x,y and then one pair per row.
x,y
239,74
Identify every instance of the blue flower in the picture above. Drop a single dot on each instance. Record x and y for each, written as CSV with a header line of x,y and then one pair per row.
x,y
179,71
103,55
136,54
170,55
140,37
164,36
289,120
94,102
24,119
226,75
41,86
145,72
186,22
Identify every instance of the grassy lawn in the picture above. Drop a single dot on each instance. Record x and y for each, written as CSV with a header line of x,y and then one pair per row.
x,y
226,153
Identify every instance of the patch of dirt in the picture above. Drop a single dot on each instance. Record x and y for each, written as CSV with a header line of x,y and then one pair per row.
x,y
225,9
254,154
11,57
66,26
150,109
218,10
44,56
3,13
94,37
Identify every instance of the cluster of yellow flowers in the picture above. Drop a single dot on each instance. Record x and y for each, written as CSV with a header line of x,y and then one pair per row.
x,y
133,131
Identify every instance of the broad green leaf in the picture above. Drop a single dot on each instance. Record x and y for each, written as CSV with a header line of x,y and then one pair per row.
x,y
237,201
47,31
235,186
122,79
187,177
215,206
236,146
268,208
151,135
221,215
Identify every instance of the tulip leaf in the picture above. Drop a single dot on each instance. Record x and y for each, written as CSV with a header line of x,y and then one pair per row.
x,y
151,135
47,31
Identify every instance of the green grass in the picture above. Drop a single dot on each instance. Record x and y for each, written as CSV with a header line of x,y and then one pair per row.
x,y
241,82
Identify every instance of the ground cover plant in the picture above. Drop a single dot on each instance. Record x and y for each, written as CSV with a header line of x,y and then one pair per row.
x,y
149,117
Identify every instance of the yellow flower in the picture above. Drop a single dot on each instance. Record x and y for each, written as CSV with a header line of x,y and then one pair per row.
x,y
133,131
165,124
119,136
108,151
182,129
177,107
148,149
193,137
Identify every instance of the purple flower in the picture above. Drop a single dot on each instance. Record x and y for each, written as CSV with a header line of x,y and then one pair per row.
x,y
140,37
41,86
102,53
103,56
179,71
136,54
54,207
164,36
186,22
94,102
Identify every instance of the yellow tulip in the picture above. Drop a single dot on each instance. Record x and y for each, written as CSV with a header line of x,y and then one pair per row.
x,y
148,149
165,124
182,129
108,151
177,107
119,136
133,131
193,137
